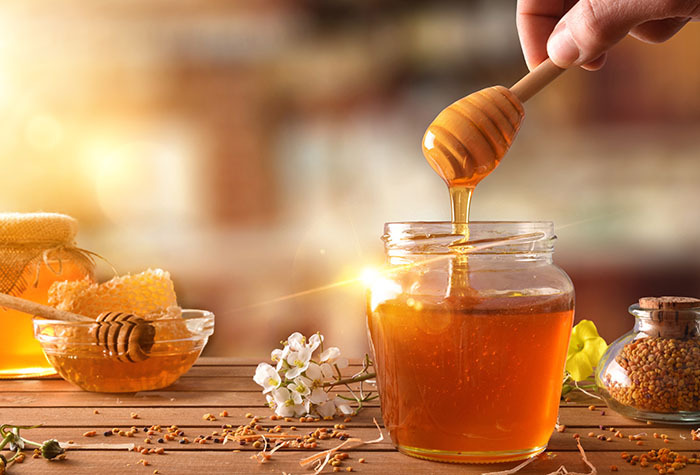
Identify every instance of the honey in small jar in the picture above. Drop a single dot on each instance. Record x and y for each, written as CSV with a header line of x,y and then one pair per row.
x,y
470,346
36,250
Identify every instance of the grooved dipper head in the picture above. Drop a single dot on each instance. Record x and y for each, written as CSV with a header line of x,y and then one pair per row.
x,y
467,140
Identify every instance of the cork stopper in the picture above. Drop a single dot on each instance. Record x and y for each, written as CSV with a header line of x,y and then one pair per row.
x,y
670,303
668,317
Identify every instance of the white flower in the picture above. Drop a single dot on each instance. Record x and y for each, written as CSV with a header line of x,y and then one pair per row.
x,y
318,396
327,370
278,354
299,361
343,405
288,402
315,341
301,385
296,341
267,377
318,374
327,409
296,386
280,357
332,356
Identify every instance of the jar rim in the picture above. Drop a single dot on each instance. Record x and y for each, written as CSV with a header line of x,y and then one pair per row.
x,y
475,237
506,222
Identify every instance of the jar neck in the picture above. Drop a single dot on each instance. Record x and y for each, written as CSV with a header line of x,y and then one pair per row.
x,y
664,323
514,241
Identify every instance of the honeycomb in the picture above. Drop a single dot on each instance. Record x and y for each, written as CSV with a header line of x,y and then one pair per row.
x,y
150,294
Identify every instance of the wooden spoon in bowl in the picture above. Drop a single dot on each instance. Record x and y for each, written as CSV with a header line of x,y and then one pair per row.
x,y
125,335
467,140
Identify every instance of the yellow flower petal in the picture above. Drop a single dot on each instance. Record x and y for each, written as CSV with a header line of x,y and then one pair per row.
x,y
579,366
594,349
575,345
584,330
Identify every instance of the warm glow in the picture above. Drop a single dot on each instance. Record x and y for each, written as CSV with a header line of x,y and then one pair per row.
x,y
369,276
43,132
381,288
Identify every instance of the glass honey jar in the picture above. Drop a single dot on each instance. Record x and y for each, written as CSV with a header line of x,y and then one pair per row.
x,y
652,373
36,250
469,325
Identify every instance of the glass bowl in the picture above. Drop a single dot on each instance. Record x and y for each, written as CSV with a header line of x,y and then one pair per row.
x,y
73,351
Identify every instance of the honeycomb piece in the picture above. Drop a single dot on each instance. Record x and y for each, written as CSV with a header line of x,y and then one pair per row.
x,y
149,294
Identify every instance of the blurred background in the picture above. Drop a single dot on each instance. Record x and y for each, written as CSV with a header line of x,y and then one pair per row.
x,y
255,148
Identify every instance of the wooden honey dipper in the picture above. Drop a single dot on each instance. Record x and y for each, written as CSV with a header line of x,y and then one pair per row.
x,y
467,140
125,335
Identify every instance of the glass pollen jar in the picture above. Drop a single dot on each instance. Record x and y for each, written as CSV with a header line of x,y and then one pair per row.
x,y
36,250
469,325
652,373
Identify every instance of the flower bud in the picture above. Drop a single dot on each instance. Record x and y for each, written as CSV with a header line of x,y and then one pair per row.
x,y
51,449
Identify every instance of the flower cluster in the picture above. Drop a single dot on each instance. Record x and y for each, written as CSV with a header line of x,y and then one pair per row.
x,y
299,384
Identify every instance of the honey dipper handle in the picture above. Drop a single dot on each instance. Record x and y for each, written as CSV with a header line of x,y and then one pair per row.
x,y
40,310
534,81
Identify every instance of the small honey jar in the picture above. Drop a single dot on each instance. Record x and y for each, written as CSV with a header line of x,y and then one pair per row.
x,y
36,250
652,373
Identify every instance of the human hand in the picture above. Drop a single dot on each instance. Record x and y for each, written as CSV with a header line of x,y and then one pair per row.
x,y
579,33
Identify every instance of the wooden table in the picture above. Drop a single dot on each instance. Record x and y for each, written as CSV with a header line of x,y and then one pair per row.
x,y
215,385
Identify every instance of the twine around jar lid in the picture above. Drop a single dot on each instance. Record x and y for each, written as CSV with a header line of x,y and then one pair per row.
x,y
25,228
668,317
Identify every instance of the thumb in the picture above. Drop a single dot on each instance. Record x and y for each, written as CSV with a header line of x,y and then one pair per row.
x,y
590,28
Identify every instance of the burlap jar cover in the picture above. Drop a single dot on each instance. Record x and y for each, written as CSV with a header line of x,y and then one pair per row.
x,y
27,239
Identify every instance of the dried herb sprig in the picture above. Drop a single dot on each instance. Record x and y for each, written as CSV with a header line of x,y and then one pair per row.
x,y
10,434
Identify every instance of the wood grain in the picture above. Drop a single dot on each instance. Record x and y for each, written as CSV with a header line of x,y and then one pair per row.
x,y
217,462
214,385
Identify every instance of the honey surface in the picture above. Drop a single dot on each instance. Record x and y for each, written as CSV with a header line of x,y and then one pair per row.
x,y
470,374
20,353
92,371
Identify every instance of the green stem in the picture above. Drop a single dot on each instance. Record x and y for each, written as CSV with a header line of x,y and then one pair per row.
x,y
31,442
369,397
7,439
354,379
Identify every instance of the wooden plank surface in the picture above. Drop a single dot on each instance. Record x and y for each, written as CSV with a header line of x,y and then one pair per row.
x,y
216,384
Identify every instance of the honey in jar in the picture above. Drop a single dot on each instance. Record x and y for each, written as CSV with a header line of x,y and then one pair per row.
x,y
36,250
470,344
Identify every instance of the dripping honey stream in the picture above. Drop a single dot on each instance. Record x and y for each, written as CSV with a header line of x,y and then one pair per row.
x,y
467,141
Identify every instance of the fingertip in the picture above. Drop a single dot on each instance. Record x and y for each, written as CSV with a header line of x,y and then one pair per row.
x,y
561,47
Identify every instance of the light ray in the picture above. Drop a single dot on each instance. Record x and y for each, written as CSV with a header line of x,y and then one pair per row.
x,y
376,273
